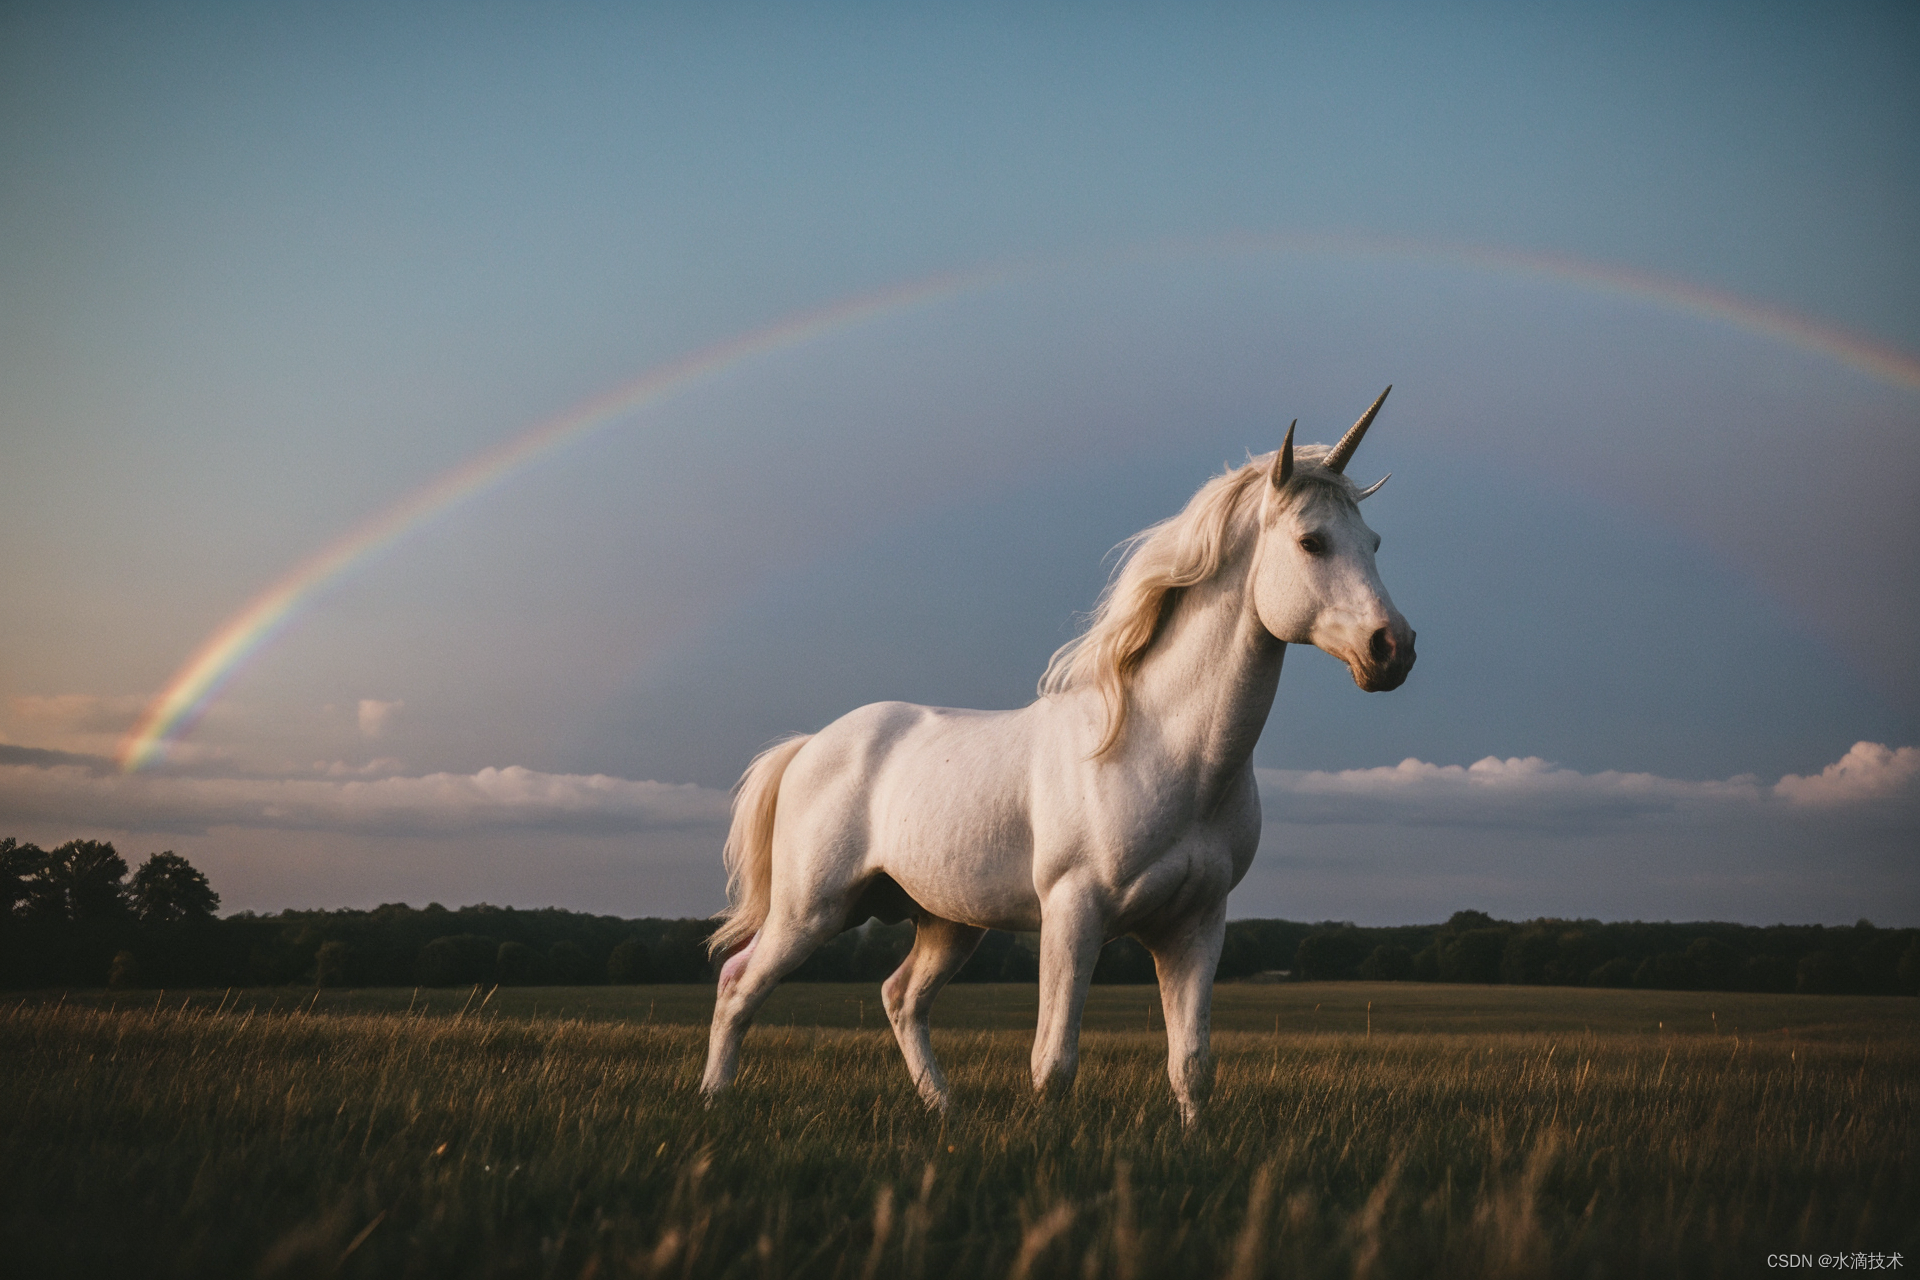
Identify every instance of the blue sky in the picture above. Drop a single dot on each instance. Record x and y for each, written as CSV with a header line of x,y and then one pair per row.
x,y
268,271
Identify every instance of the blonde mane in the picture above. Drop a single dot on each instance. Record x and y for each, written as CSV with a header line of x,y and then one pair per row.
x,y
1156,565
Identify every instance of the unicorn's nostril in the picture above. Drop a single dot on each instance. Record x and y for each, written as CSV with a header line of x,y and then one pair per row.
x,y
1381,645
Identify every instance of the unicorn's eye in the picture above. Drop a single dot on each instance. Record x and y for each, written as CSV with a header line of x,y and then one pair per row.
x,y
1313,544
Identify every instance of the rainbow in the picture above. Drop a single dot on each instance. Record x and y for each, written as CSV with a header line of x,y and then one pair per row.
x,y
200,681
1876,360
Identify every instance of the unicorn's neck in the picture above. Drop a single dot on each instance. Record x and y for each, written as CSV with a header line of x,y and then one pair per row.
x,y
1203,691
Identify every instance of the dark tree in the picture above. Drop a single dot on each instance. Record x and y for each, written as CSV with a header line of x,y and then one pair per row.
x,y
1876,964
682,953
1528,956
1578,953
124,972
331,964
1123,961
1240,955
167,889
1329,955
879,949
1617,972
518,965
1909,970
1668,971
1387,964
1716,966
630,963
20,865
82,881
458,960
1002,957
1767,973
1473,956
1820,973
1426,963
1020,963
568,965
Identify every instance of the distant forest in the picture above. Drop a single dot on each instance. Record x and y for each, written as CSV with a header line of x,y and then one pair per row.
x,y
76,916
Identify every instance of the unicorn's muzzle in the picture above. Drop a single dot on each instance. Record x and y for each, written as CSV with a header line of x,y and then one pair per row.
x,y
1388,658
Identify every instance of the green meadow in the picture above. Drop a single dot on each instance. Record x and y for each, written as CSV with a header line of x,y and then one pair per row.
x,y
1355,1130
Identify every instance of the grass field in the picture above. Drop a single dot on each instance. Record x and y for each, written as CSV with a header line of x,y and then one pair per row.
x,y
1466,1131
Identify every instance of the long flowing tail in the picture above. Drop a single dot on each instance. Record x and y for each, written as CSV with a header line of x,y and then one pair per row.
x,y
749,852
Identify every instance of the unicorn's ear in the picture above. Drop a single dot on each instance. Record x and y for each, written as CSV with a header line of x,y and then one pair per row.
x,y
1283,461
1373,488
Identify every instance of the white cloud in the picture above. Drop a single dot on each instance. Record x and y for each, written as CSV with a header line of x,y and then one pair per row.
x,y
374,715
512,798
1531,792
1407,842
1522,837
88,723
1517,792
78,712
1868,772
96,724
378,767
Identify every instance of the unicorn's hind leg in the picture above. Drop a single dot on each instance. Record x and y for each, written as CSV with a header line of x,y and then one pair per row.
x,y
750,976
940,947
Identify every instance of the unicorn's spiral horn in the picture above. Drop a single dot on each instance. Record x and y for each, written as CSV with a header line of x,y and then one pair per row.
x,y
1342,452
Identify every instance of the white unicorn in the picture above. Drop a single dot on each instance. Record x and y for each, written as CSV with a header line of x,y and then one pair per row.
x,y
1120,803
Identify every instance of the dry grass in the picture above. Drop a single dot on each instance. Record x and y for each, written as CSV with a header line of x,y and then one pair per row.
x,y
268,1142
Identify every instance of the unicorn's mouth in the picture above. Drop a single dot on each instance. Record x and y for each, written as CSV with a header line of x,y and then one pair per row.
x,y
1388,659
1381,679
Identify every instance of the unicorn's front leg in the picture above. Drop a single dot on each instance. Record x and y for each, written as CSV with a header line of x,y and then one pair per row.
x,y
1070,938
1186,958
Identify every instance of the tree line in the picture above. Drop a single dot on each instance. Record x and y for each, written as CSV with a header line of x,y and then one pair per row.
x,y
77,916
1859,959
